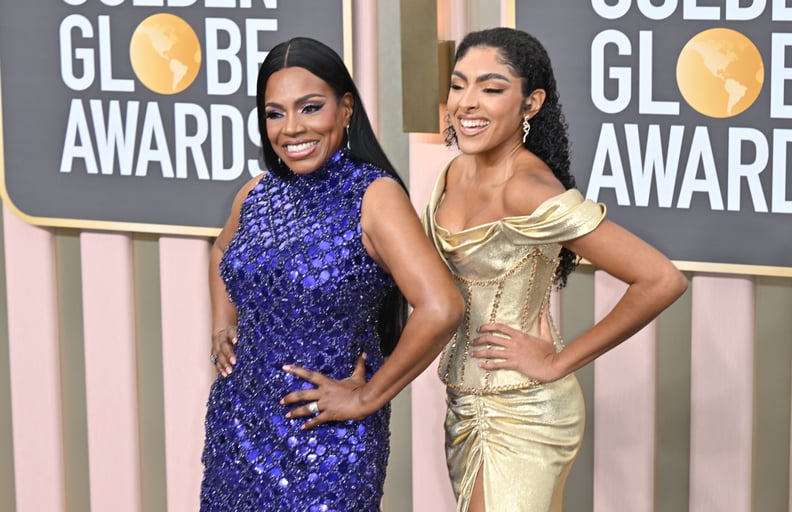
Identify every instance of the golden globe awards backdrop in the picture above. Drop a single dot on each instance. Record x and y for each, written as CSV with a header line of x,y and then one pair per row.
x,y
138,114
679,114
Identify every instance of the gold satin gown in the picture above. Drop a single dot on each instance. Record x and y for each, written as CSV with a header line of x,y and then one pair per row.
x,y
523,435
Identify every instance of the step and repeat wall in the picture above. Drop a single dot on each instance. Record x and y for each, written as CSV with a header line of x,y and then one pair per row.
x,y
128,126
139,115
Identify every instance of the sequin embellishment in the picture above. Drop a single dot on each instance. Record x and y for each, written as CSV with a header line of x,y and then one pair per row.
x,y
307,293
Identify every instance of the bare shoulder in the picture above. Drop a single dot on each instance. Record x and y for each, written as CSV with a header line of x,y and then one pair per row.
x,y
382,196
383,189
531,184
390,225
458,167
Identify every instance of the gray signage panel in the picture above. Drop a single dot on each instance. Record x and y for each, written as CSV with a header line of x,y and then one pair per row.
x,y
138,114
679,116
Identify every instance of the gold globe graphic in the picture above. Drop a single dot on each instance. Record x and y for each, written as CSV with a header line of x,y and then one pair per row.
x,y
720,72
165,53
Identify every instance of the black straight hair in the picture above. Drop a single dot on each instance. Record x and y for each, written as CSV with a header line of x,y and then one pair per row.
x,y
323,62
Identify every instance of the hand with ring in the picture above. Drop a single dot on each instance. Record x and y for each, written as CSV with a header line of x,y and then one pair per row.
x,y
330,399
222,354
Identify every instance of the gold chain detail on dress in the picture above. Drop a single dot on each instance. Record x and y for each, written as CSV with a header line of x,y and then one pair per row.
x,y
499,282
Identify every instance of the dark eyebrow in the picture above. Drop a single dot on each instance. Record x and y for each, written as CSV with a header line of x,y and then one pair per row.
x,y
483,78
299,100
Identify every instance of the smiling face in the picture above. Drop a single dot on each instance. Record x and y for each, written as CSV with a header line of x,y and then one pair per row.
x,y
305,121
485,102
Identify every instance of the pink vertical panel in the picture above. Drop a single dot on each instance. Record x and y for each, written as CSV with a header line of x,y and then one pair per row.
x,y
186,342
555,306
110,372
451,19
624,395
721,416
34,362
428,156
431,487
364,19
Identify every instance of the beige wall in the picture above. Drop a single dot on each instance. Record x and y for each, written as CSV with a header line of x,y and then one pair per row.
x,y
104,366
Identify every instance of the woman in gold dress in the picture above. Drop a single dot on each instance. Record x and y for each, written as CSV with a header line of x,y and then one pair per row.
x,y
508,222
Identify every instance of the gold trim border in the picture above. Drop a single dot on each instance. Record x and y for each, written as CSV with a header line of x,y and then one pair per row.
x,y
724,268
139,227
733,268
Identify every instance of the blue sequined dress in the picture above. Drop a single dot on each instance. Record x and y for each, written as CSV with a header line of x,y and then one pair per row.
x,y
308,294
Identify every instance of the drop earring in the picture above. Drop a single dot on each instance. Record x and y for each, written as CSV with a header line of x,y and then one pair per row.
x,y
347,134
450,133
526,128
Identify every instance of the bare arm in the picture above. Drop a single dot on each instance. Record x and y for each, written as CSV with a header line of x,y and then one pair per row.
x,y
224,313
654,283
395,238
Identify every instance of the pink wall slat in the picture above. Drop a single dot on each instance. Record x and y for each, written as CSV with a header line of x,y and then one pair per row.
x,y
110,372
34,366
624,414
451,19
186,342
431,487
364,19
721,394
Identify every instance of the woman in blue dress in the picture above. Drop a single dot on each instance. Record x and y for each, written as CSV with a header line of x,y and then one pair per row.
x,y
303,278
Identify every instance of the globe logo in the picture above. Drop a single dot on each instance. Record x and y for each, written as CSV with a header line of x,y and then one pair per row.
x,y
165,53
720,72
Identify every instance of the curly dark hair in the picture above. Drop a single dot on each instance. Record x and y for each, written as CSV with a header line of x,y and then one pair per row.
x,y
548,139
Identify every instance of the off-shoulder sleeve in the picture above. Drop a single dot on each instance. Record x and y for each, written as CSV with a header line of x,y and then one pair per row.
x,y
563,217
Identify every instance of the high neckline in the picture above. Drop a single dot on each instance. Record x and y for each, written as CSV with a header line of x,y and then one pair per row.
x,y
326,169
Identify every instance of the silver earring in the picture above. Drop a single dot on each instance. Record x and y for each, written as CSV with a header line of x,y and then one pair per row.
x,y
347,134
526,127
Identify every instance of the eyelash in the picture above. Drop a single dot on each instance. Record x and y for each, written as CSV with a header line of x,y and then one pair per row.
x,y
309,108
488,90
